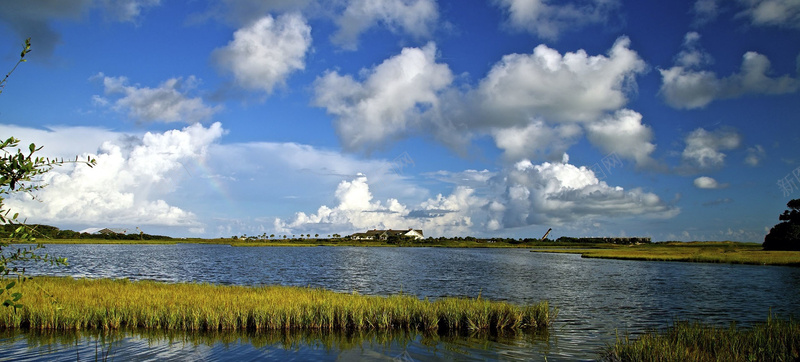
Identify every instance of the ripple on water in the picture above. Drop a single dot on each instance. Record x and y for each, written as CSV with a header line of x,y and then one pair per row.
x,y
596,298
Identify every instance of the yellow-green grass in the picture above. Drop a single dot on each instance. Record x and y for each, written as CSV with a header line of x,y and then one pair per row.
x,y
775,340
707,252
79,304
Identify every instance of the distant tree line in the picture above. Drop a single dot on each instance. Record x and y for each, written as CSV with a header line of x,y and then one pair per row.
x,y
623,241
51,232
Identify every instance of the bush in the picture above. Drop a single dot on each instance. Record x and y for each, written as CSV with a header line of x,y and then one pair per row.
x,y
786,235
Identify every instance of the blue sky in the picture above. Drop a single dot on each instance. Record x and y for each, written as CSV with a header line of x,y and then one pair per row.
x,y
676,120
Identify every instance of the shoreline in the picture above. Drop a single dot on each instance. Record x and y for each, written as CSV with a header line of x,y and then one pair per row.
x,y
697,252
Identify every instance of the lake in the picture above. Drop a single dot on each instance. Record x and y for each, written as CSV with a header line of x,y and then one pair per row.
x,y
597,299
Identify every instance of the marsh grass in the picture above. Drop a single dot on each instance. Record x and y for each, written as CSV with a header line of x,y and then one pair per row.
x,y
704,252
775,340
83,304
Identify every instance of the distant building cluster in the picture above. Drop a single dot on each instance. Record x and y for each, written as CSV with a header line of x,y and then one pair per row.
x,y
384,235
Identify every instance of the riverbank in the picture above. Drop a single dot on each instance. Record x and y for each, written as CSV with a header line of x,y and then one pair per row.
x,y
81,304
703,252
775,340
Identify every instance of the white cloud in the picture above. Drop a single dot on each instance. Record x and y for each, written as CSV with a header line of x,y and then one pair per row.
x,y
523,195
127,184
685,87
414,17
529,103
781,13
705,11
356,210
692,54
772,12
263,54
536,140
168,102
705,182
623,134
393,99
755,155
558,193
59,141
569,87
540,17
703,148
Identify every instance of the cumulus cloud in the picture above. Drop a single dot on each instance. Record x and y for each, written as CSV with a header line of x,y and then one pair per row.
x,y
413,17
168,102
568,87
536,140
127,185
703,148
532,105
624,134
548,19
34,18
705,182
393,98
685,86
356,210
523,195
263,54
558,193
785,13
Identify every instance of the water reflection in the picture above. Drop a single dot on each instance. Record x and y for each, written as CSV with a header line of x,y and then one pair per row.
x,y
270,345
596,298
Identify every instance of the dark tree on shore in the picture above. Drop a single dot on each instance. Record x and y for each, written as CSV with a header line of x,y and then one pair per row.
x,y
786,235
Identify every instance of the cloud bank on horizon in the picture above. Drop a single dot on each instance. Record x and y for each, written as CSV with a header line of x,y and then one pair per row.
x,y
324,117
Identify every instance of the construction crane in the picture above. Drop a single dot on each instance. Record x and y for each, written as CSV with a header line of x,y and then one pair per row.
x,y
547,233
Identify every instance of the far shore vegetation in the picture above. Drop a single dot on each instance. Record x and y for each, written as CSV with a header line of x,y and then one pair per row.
x,y
64,303
703,252
608,248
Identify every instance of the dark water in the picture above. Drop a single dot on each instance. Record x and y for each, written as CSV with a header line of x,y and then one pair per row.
x,y
597,299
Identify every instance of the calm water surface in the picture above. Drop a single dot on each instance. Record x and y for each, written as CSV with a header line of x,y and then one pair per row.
x,y
596,298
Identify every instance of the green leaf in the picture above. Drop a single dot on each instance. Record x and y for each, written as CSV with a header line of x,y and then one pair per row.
x,y
10,285
32,147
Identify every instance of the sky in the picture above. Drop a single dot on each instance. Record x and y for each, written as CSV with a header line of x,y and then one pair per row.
x,y
675,120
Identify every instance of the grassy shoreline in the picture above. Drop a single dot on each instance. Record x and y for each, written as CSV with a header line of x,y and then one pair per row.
x,y
84,304
775,340
699,252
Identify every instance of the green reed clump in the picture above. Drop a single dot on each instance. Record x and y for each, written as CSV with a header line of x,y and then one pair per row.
x,y
82,304
775,340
